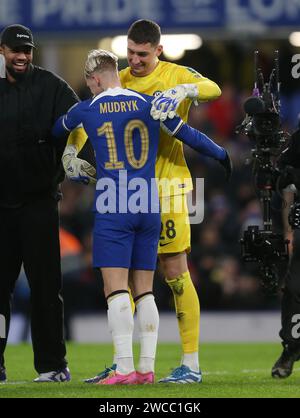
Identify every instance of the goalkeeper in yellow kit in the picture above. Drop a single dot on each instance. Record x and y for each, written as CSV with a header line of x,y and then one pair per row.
x,y
147,74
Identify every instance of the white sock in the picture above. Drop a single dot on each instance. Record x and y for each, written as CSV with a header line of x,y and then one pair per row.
x,y
191,360
148,321
110,330
120,322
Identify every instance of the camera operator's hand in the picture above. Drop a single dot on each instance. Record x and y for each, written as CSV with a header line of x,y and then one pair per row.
x,y
227,165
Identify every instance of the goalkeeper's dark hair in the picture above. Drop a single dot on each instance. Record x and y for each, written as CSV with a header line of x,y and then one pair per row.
x,y
143,31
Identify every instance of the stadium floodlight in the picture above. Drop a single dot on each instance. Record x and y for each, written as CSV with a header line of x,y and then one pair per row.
x,y
174,45
294,38
174,52
119,46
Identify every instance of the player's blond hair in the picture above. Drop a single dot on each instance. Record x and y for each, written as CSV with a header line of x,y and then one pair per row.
x,y
100,60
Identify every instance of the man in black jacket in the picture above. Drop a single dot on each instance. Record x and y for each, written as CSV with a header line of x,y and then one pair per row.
x,y
31,99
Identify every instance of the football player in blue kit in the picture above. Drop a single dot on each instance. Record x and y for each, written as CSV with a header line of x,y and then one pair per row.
x,y
127,220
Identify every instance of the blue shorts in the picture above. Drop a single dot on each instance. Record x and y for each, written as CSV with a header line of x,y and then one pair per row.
x,y
126,240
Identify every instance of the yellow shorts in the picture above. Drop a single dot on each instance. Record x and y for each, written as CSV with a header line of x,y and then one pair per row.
x,y
175,235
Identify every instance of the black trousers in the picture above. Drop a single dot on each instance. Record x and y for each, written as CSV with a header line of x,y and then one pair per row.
x,y
290,304
30,235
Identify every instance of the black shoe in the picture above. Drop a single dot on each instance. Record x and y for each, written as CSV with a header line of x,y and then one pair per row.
x,y
284,365
2,374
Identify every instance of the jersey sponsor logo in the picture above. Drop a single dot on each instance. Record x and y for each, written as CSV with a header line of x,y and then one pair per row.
x,y
120,106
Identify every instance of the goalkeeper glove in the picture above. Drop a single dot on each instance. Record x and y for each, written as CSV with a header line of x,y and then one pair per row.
x,y
227,165
166,104
76,169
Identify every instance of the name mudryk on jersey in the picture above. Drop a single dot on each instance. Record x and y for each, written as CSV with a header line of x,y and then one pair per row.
x,y
137,195
118,106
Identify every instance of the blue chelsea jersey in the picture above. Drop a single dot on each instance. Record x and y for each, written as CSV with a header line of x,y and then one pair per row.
x,y
122,132
125,139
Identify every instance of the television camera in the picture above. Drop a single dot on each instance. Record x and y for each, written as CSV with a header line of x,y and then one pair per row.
x,y
262,125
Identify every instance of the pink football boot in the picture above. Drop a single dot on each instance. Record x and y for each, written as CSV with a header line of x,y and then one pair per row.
x,y
116,378
144,378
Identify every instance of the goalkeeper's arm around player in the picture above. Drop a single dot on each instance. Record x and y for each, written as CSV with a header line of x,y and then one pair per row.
x,y
81,171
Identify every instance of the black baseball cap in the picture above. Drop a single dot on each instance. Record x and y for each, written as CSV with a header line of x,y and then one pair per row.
x,y
16,35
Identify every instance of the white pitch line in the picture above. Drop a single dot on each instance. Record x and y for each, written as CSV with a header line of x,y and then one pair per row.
x,y
14,383
244,371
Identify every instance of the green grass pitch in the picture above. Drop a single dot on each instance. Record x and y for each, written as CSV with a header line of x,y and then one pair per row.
x,y
229,371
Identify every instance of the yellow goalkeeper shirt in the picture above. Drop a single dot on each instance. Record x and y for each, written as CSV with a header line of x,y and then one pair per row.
x,y
170,162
